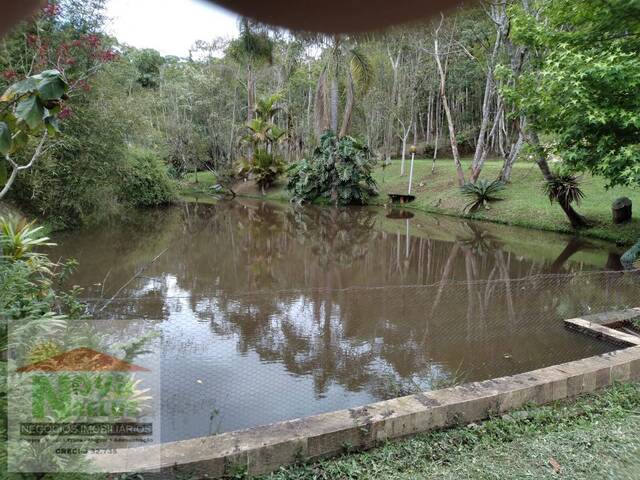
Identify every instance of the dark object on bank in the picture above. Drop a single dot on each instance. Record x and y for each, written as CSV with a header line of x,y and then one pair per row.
x,y
401,198
621,210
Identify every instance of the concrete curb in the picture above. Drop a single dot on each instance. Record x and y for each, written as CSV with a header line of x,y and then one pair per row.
x,y
264,449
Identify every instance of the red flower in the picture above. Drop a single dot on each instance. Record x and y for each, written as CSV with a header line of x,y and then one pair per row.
x,y
10,75
108,56
65,113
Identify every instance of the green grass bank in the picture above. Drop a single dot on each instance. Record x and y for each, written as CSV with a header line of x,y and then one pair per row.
x,y
594,436
524,203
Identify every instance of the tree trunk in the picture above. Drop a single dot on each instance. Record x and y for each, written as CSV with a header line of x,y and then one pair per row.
x,y
445,104
334,103
388,134
251,92
348,107
321,113
505,174
577,220
452,130
499,13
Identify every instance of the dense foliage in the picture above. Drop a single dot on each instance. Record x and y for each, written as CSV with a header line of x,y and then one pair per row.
x,y
93,168
583,89
145,181
28,110
340,172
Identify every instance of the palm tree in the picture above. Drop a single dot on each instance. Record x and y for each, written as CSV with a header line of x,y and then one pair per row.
x,y
344,58
253,48
267,107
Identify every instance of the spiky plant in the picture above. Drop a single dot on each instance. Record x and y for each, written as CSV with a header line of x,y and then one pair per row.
x,y
19,239
481,194
564,188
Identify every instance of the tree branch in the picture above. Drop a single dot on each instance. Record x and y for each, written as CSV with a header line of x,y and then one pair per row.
x,y
18,168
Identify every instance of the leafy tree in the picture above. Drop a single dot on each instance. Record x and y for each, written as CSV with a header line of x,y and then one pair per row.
x,y
148,62
583,92
28,110
341,171
343,58
253,48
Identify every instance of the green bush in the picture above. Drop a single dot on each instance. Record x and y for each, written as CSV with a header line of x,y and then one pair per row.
x,y
341,171
145,181
265,168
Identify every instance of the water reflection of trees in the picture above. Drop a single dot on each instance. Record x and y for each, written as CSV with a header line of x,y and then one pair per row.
x,y
350,337
279,280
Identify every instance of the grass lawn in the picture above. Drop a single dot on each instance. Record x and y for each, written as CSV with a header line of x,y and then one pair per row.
x,y
524,203
593,437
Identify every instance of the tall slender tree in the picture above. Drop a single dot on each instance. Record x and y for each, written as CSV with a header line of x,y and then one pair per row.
x,y
344,60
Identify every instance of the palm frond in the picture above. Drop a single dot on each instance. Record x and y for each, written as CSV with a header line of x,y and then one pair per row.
x,y
564,188
361,69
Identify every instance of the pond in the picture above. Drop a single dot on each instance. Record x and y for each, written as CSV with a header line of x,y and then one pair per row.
x,y
269,312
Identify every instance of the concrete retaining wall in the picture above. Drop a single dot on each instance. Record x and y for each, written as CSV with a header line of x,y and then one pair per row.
x,y
266,448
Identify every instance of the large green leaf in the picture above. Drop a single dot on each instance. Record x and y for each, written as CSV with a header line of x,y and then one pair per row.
x,y
5,138
31,112
25,86
53,125
52,86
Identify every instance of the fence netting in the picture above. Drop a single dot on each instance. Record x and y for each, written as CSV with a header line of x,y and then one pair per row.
x,y
237,359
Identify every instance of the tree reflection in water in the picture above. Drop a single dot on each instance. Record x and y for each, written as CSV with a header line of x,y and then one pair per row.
x,y
343,305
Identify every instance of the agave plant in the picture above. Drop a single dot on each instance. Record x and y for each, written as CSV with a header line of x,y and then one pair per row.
x,y
564,188
481,193
19,239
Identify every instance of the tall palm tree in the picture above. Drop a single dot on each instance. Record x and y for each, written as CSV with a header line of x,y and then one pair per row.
x,y
253,48
344,59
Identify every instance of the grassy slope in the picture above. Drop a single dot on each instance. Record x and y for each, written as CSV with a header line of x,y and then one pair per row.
x,y
524,203
592,437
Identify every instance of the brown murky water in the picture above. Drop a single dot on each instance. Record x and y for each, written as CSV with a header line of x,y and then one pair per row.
x,y
269,312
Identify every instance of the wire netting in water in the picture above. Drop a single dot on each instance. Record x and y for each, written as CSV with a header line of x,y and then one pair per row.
x,y
237,360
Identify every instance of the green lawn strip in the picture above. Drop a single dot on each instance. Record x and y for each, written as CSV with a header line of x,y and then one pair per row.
x,y
524,204
594,436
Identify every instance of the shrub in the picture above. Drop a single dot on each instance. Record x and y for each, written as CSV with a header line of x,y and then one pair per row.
x,y
145,181
341,171
481,193
265,168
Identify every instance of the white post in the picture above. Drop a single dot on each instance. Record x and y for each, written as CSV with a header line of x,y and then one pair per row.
x,y
413,156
